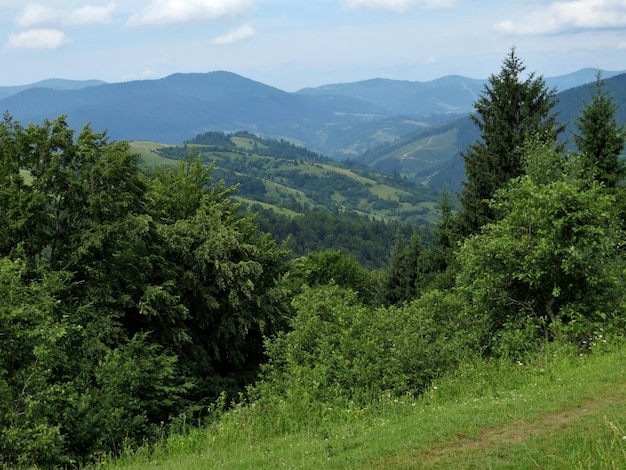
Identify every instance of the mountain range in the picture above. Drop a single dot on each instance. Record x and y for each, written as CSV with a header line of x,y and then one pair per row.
x,y
394,126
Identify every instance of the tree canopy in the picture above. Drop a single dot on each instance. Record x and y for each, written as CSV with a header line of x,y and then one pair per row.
x,y
509,111
600,140
128,298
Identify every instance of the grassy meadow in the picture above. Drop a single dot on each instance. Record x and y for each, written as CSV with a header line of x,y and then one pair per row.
x,y
558,410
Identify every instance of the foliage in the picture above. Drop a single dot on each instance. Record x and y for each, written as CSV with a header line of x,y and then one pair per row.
x,y
332,267
553,259
507,113
127,298
321,230
600,140
219,290
339,351
405,273
31,341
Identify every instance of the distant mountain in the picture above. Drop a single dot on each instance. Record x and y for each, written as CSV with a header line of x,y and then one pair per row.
x,y
341,121
452,94
52,83
432,155
181,106
581,77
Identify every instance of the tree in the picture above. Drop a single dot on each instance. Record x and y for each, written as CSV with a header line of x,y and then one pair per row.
x,y
332,267
126,299
405,274
509,110
553,259
31,354
215,289
600,140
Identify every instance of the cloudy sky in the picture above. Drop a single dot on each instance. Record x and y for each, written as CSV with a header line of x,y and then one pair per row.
x,y
293,44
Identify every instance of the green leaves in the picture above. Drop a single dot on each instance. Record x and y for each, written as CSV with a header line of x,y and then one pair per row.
x,y
339,351
126,298
557,246
600,140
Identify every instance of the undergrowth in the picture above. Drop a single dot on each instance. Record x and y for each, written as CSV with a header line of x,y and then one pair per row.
x,y
560,408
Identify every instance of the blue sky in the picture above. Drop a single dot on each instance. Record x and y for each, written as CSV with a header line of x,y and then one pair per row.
x,y
292,44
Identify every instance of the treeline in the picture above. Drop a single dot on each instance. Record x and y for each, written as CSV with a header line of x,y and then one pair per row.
x,y
134,301
259,146
367,240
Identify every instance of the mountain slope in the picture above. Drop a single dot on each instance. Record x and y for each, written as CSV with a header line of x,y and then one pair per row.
x,y
452,94
432,155
293,180
52,83
337,120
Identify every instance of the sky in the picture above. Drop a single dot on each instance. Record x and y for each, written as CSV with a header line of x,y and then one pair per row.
x,y
293,44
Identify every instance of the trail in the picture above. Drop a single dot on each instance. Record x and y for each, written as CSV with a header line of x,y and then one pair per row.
x,y
514,432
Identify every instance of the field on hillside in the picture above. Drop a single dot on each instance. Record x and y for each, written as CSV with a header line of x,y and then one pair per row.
x,y
294,185
414,157
558,410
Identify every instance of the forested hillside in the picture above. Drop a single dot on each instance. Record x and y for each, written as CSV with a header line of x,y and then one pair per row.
x,y
341,121
311,202
431,155
295,180
139,302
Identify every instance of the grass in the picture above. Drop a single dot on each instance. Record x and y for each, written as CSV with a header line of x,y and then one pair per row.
x,y
557,411
147,151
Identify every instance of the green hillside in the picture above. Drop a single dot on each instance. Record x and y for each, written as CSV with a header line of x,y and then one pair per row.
x,y
557,411
415,157
292,180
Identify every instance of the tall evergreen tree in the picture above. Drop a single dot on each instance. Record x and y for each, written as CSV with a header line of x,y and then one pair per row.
x,y
600,140
509,110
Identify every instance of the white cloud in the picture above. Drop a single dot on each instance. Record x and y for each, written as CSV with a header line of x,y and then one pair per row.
x,y
243,32
565,15
36,15
160,12
397,5
92,15
38,39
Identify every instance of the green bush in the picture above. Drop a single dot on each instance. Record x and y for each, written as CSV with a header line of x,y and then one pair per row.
x,y
339,351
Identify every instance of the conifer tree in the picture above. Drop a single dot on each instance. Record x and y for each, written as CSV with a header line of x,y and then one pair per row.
x,y
404,274
509,110
600,139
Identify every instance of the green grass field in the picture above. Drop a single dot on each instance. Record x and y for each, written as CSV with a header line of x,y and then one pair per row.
x,y
556,411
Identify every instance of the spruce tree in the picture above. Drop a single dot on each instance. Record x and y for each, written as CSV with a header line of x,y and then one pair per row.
x,y
508,112
404,277
600,139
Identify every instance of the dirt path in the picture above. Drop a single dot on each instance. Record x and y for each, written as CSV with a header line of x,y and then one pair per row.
x,y
515,432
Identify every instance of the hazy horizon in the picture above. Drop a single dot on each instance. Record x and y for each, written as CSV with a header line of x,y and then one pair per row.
x,y
294,44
